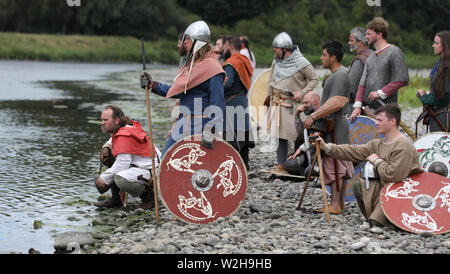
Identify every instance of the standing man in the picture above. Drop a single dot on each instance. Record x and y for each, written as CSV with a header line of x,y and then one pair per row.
x,y
220,49
198,85
394,158
130,146
385,71
335,96
291,77
181,51
360,47
239,73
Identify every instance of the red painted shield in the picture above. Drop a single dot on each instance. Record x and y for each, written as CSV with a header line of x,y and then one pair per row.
x,y
199,185
419,203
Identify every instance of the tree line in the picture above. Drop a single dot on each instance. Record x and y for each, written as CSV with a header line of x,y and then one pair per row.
x,y
413,23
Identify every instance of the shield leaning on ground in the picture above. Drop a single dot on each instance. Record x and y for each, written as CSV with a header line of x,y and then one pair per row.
x,y
199,185
434,152
257,96
362,130
419,203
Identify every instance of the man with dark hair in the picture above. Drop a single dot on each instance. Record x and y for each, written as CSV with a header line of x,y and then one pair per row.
x,y
392,158
385,71
335,96
181,50
239,79
220,48
129,171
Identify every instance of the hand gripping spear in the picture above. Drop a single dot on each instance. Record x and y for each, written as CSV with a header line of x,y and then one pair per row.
x,y
149,116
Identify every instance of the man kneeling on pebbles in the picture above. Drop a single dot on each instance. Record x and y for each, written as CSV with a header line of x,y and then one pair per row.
x,y
393,157
128,156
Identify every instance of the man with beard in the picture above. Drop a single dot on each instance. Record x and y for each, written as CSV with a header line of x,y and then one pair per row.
x,y
359,46
291,77
297,163
131,149
220,48
385,71
239,73
181,51
198,85
335,96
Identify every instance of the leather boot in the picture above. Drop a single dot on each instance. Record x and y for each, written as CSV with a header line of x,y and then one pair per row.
x,y
114,201
148,198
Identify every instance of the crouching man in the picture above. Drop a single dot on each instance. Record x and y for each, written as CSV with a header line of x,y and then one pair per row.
x,y
130,146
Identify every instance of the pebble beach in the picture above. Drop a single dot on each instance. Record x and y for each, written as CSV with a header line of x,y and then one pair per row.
x,y
267,222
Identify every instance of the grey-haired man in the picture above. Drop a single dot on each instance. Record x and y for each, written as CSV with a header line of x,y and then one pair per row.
x,y
360,47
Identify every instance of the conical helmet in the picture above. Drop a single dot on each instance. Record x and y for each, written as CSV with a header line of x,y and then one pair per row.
x,y
198,30
283,40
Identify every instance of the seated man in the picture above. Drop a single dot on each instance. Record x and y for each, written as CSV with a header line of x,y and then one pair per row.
x,y
394,158
298,162
130,171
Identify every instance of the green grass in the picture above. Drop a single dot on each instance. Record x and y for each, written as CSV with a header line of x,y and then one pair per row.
x,y
407,95
50,47
55,47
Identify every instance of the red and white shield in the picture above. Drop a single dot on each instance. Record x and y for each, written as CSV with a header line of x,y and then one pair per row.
x,y
419,203
199,185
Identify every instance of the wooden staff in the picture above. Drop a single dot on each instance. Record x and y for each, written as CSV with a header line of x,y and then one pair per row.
x,y
324,192
308,178
149,117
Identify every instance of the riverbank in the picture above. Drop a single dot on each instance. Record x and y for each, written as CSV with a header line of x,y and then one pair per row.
x,y
86,48
266,223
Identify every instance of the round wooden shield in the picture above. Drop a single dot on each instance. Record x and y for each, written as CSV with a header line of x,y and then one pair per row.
x,y
419,203
257,96
362,130
199,185
434,152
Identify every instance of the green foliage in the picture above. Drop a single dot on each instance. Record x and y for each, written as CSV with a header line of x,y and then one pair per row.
x,y
407,95
310,23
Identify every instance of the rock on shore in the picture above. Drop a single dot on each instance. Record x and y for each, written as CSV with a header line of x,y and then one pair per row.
x,y
266,222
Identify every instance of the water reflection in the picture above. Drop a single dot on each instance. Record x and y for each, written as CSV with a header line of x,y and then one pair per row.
x,y
49,145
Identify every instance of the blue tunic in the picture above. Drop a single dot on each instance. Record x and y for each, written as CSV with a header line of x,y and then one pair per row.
x,y
234,87
206,96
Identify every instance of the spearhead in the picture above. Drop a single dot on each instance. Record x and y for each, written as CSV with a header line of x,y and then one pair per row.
x,y
144,66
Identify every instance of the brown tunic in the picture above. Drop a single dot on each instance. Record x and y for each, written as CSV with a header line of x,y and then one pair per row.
x,y
399,160
304,80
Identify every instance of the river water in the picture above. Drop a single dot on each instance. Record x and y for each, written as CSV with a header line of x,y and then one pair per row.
x,y
50,140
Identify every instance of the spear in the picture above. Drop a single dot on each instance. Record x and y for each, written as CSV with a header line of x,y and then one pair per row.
x,y
149,116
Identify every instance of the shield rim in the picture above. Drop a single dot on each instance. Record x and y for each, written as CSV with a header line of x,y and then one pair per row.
x,y
158,178
350,198
254,116
430,134
394,223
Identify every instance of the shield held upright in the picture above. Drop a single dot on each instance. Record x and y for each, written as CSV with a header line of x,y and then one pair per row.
x,y
199,185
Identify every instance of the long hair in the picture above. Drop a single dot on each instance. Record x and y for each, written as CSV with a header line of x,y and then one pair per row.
x,y
118,113
445,63
200,54
245,41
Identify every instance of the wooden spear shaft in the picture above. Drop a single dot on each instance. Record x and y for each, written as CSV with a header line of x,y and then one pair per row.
x,y
149,117
324,192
